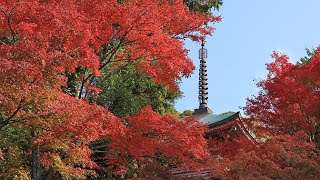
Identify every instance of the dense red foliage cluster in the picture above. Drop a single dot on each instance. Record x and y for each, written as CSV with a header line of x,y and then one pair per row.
x,y
283,157
289,99
150,135
229,148
285,118
40,41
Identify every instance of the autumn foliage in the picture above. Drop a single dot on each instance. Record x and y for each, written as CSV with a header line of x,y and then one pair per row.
x,y
282,157
45,43
285,118
289,99
53,126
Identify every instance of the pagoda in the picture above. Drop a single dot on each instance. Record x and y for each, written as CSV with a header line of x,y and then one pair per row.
x,y
226,126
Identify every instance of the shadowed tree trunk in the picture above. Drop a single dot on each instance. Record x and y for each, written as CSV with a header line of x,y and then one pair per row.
x,y
36,169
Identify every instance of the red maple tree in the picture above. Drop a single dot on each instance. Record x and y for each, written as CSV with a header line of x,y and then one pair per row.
x,y
42,41
285,118
282,157
289,99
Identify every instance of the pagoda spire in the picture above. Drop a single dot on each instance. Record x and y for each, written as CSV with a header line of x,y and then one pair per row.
x,y
203,77
203,81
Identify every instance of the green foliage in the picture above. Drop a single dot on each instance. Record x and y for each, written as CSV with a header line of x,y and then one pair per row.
x,y
72,84
203,5
185,113
13,164
128,90
306,59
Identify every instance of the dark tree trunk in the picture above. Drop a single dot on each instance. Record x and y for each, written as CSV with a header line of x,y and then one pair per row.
x,y
35,164
36,169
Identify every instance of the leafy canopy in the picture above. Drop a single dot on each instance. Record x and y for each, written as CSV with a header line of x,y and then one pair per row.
x,y
51,53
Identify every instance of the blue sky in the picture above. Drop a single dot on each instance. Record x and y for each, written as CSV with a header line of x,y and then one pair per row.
x,y
242,44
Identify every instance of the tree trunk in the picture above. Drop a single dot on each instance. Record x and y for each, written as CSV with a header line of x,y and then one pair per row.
x,y
35,164
36,170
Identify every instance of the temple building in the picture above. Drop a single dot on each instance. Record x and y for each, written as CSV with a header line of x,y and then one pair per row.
x,y
222,127
226,127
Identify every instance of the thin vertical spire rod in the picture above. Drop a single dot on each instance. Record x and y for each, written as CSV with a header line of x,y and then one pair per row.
x,y
203,77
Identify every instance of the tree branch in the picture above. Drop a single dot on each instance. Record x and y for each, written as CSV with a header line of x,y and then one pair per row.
x,y
8,16
7,121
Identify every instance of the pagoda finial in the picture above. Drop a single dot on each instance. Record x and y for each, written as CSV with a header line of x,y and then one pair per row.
x,y
203,82
203,77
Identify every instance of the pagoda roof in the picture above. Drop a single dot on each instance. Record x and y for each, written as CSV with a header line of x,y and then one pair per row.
x,y
213,119
221,120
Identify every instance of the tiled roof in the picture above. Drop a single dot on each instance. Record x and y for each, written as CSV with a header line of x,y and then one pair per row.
x,y
213,119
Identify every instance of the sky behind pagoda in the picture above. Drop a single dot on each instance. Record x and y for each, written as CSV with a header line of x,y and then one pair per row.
x,y
241,46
